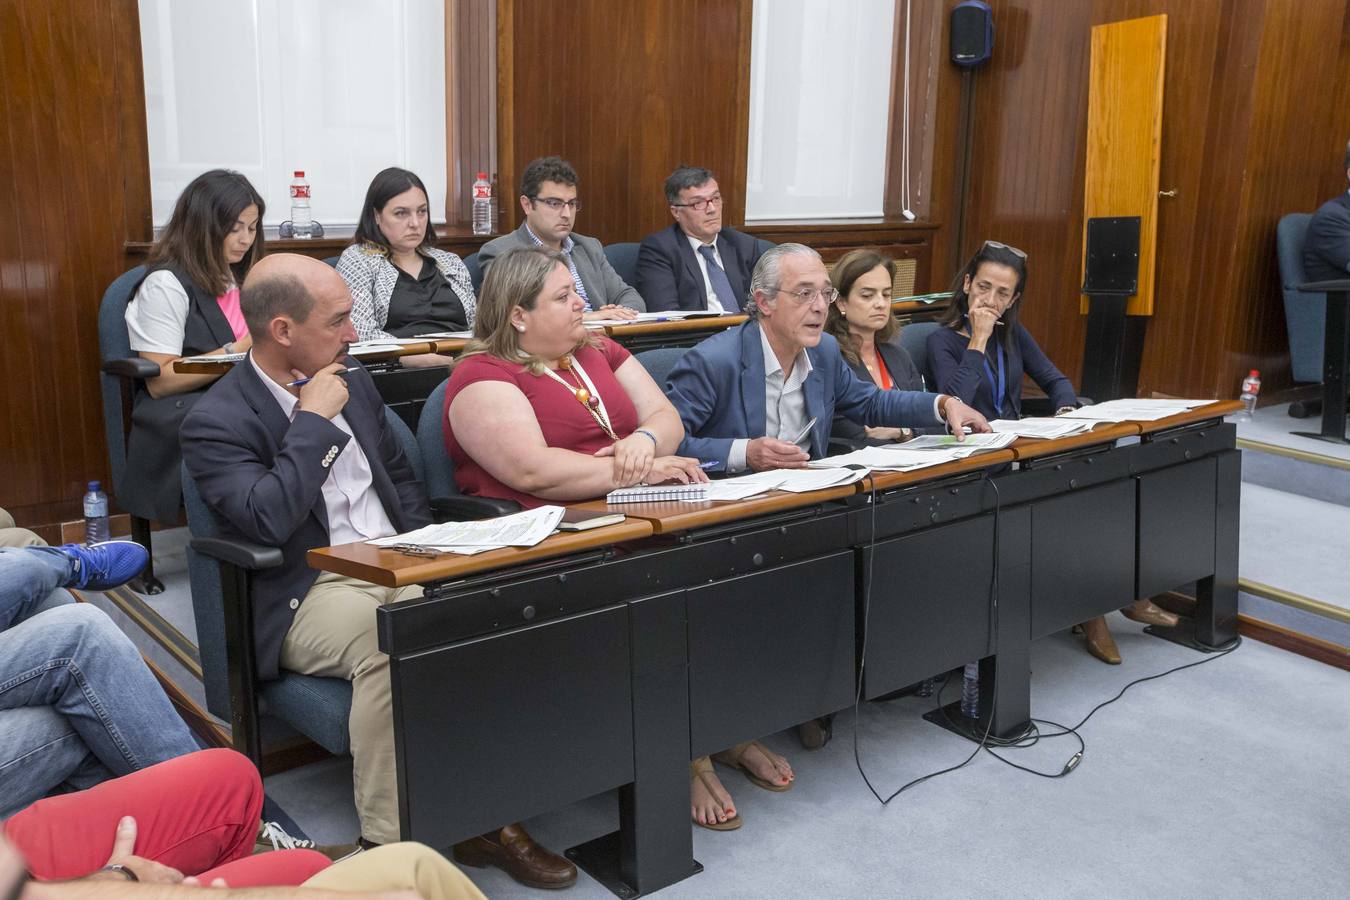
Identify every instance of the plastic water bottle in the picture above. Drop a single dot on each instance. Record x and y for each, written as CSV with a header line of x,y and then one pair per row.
x,y
482,205
970,691
1251,388
95,514
301,219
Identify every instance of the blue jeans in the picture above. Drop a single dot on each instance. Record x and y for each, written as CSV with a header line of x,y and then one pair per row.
x,y
77,703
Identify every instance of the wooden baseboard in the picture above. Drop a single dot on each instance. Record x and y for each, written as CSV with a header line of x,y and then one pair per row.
x,y
1268,633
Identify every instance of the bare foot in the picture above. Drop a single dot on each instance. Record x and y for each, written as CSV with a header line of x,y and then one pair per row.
x,y
766,764
709,802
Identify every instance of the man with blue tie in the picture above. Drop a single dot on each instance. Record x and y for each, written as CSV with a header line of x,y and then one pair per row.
x,y
763,395
695,263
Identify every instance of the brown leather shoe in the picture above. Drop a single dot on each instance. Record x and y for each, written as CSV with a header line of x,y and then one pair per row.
x,y
1099,641
1150,614
816,733
514,852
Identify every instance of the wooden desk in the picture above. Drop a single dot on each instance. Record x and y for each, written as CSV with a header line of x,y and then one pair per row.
x,y
391,568
446,346
607,659
1032,448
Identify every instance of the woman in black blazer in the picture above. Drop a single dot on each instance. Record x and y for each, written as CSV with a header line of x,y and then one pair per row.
x,y
861,321
981,354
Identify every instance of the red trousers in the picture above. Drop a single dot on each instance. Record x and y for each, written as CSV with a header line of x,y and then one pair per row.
x,y
197,813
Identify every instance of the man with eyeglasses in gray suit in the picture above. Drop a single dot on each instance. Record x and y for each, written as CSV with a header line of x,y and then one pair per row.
x,y
548,198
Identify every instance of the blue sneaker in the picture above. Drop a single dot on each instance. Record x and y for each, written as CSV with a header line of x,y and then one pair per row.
x,y
107,564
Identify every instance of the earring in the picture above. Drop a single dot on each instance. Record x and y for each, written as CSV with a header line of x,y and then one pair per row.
x,y
520,328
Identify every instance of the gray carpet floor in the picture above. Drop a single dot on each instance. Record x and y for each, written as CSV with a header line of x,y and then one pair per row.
x,y
1274,425
1227,780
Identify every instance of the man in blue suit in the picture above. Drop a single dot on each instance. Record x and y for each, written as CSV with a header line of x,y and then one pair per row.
x,y
695,263
763,395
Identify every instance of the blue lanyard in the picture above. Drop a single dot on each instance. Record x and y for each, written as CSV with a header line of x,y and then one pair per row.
x,y
998,385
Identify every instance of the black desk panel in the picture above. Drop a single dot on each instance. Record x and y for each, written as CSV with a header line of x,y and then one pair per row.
x,y
499,728
1082,556
1176,526
769,650
930,608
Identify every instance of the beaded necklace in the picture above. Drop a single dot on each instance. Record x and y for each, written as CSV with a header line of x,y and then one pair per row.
x,y
585,392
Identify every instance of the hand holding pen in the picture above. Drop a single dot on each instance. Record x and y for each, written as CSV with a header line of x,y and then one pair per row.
x,y
323,393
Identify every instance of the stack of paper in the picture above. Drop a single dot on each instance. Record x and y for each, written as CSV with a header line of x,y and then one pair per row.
x,y
1132,410
522,529
797,481
439,335
670,315
924,451
972,444
1036,427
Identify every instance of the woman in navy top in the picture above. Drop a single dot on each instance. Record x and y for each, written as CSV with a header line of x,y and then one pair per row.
x,y
981,355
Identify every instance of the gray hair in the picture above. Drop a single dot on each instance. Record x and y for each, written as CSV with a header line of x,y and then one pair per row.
x,y
683,178
768,275
264,297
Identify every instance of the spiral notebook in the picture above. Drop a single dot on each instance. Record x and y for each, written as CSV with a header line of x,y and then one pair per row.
x,y
655,493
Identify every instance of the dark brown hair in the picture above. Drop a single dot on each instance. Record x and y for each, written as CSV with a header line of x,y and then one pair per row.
x,y
852,266
194,239
384,187
955,316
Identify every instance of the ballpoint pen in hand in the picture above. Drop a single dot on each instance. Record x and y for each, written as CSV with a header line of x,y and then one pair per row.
x,y
311,378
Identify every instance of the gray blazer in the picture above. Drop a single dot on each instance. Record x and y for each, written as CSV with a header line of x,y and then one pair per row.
x,y
603,284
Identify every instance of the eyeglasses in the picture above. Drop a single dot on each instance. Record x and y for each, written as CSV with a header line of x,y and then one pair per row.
x,y
702,204
556,205
1020,254
806,295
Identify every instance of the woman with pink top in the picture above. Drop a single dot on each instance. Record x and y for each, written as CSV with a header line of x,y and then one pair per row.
x,y
187,305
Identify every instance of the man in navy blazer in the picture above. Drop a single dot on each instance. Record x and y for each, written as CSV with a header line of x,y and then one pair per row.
x,y
1326,249
298,466
764,395
695,263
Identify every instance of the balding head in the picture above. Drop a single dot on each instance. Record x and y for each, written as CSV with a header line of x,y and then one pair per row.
x,y
285,284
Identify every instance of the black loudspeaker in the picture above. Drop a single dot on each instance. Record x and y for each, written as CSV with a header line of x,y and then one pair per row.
x,y
972,33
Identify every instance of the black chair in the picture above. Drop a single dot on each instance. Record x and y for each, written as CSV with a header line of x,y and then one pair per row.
x,y
914,341
447,503
475,272
121,374
220,572
332,260
623,257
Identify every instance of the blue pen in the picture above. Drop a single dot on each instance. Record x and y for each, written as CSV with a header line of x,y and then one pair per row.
x,y
308,380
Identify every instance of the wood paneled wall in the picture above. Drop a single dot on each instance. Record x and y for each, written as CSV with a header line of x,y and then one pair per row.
x,y
625,92
64,216
1256,113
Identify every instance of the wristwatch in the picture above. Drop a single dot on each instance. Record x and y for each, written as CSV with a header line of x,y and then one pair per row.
x,y
120,870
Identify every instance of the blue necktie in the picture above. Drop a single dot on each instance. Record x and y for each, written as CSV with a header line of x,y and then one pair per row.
x,y
718,279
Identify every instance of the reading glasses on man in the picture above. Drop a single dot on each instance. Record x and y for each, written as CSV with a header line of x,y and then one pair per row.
x,y
702,203
556,205
806,295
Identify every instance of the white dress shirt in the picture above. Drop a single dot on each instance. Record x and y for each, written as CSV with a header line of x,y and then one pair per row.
x,y
784,404
355,512
715,303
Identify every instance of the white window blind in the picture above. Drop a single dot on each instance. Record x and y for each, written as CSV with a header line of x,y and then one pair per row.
x,y
338,88
820,73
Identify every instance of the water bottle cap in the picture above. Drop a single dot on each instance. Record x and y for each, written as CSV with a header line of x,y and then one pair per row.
x,y
299,174
95,486
1253,374
482,175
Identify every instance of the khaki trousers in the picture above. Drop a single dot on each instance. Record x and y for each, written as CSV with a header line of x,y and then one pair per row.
x,y
333,635
399,867
10,536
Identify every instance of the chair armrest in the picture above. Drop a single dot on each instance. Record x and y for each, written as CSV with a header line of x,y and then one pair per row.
x,y
132,367
458,509
238,553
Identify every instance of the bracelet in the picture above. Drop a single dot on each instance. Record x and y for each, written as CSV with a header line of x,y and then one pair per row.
x,y
648,434
120,870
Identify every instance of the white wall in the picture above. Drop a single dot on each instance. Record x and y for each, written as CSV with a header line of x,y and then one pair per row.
x,y
820,73
338,88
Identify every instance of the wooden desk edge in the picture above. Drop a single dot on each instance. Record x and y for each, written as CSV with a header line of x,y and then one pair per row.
x,y
390,568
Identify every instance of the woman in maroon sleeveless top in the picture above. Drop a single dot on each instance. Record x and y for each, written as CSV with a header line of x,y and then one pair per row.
x,y
540,411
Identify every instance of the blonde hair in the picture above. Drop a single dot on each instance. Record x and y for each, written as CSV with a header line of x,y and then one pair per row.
x,y
516,278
